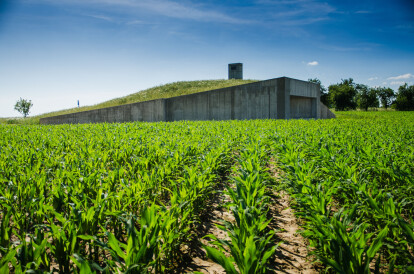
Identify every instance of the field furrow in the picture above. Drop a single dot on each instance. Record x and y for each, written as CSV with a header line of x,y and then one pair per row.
x,y
205,196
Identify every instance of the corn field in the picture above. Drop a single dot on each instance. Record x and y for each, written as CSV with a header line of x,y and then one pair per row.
x,y
129,198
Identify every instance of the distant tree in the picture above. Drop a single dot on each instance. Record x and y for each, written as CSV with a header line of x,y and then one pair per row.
x,y
405,98
367,97
343,95
386,95
23,106
324,94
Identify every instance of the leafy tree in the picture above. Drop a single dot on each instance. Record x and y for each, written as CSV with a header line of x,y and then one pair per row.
x,y
405,98
343,95
367,97
385,95
23,106
324,94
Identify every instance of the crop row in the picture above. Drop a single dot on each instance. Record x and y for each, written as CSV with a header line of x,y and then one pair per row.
x,y
129,197
251,243
104,198
353,184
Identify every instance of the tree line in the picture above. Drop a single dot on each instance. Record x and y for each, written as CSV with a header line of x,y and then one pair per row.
x,y
349,95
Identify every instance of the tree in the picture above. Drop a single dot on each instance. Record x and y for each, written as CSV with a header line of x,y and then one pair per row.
x,y
23,106
343,95
385,95
367,97
405,98
324,94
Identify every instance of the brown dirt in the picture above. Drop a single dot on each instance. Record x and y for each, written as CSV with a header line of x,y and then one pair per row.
x,y
214,215
290,257
292,254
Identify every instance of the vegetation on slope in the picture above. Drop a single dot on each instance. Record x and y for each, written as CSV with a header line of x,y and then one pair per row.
x,y
158,92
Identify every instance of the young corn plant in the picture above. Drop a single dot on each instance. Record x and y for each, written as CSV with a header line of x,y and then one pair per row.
x,y
141,252
251,243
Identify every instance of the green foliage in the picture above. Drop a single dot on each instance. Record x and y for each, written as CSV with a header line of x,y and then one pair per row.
x,y
386,96
343,95
251,243
353,183
105,198
111,198
405,98
23,106
366,97
325,98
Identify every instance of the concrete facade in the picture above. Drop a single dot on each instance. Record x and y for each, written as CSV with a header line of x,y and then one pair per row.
x,y
280,98
236,71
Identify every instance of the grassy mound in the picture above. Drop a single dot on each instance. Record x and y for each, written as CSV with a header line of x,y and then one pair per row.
x,y
158,92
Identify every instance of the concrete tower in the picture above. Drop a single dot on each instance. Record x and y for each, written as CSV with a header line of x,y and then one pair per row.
x,y
236,71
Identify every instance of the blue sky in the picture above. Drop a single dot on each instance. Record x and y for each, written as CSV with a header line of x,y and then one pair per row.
x,y
57,52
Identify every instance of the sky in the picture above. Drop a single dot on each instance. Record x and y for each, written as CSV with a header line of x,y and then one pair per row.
x,y
55,52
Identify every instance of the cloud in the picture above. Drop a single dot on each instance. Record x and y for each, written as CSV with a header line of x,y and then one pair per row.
x,y
167,8
363,12
397,83
181,11
372,78
404,76
100,17
313,63
139,22
305,21
297,12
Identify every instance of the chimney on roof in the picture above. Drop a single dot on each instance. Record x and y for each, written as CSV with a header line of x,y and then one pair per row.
x,y
236,71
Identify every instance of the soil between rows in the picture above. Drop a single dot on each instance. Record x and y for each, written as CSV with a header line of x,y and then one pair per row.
x,y
290,257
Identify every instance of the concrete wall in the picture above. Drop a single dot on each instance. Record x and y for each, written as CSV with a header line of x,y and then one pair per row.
x,y
325,112
302,107
251,101
280,98
150,111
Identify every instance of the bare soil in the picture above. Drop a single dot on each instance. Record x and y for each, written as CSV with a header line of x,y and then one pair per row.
x,y
292,254
214,214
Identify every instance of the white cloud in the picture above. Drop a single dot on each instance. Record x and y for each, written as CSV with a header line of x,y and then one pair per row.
x,y
180,11
373,78
101,17
363,12
139,22
305,21
404,76
168,8
296,13
397,83
313,63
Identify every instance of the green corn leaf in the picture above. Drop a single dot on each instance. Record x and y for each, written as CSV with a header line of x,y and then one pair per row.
x,y
85,269
410,269
269,253
407,229
221,259
377,243
86,237
113,243
4,269
9,256
332,264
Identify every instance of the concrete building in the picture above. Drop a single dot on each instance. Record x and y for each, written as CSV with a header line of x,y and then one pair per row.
x,y
279,98
236,71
